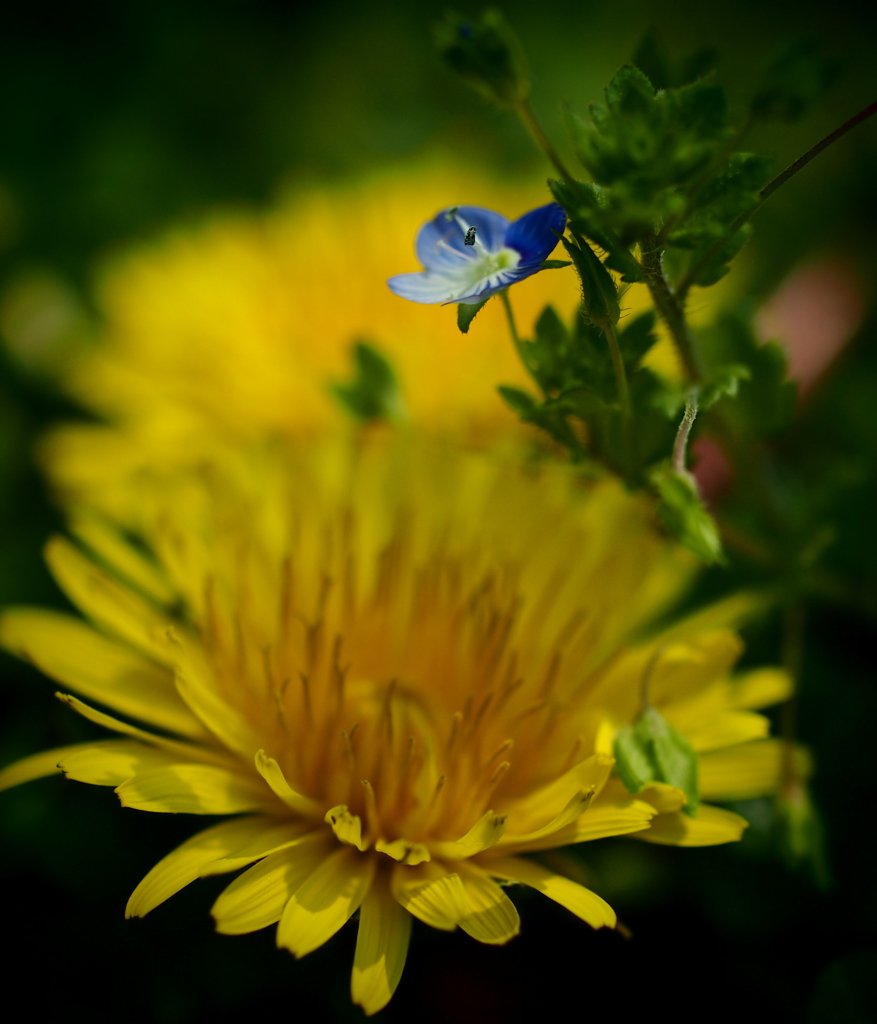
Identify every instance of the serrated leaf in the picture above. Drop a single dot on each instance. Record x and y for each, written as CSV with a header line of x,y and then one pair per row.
x,y
766,397
702,109
467,311
664,72
630,92
651,750
724,382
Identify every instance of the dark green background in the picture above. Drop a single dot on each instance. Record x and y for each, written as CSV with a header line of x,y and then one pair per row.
x,y
117,119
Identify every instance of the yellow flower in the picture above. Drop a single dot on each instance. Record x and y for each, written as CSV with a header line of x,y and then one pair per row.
x,y
399,668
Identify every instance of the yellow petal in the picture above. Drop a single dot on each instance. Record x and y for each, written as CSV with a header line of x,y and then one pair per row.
x,y
720,729
663,797
491,916
69,650
272,773
37,766
532,811
195,789
182,751
575,808
280,836
186,863
749,770
404,851
712,826
256,899
431,894
200,694
608,817
105,541
325,900
381,949
576,898
113,762
483,834
760,688
346,826
104,600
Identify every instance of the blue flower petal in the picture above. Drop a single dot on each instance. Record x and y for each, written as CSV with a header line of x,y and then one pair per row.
x,y
423,287
533,234
441,242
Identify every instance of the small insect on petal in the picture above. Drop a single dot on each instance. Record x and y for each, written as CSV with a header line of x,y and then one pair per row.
x,y
470,237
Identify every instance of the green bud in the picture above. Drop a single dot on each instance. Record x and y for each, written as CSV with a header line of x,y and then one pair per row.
x,y
486,54
684,516
800,834
651,750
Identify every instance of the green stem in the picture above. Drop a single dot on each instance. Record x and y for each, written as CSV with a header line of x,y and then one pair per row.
x,y
513,330
542,141
802,161
623,390
694,271
680,445
620,373
670,308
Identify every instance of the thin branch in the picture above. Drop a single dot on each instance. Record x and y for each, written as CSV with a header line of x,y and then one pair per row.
x,y
691,276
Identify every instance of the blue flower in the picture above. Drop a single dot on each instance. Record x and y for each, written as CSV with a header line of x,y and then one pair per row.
x,y
469,253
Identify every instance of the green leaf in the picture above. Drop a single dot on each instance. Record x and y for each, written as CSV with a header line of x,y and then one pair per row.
x,y
637,338
599,294
798,77
765,395
372,392
651,750
550,416
486,54
467,311
521,402
725,382
664,72
684,516
555,264
630,92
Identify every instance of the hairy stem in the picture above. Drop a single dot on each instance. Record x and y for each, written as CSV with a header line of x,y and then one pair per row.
x,y
680,445
670,308
525,113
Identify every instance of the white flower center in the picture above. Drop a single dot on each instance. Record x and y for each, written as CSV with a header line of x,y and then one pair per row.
x,y
484,268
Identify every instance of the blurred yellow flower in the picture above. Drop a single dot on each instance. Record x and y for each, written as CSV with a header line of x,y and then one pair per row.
x,y
236,327
400,668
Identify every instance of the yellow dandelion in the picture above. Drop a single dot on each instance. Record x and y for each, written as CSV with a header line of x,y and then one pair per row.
x,y
398,669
